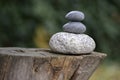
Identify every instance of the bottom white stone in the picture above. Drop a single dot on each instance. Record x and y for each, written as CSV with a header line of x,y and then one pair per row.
x,y
69,43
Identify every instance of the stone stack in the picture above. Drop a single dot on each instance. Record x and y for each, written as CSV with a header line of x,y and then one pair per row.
x,y
72,40
74,26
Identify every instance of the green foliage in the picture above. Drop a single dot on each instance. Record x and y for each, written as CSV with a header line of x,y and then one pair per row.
x,y
16,24
19,19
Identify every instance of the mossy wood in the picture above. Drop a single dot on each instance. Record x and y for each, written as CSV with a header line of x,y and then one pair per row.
x,y
43,64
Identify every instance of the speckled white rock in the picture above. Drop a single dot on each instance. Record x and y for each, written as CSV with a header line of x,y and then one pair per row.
x,y
69,43
75,16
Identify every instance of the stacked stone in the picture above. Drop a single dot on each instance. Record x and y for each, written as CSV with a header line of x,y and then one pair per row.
x,y
72,40
74,26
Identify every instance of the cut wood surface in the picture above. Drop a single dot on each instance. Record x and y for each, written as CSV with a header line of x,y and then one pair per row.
x,y
43,64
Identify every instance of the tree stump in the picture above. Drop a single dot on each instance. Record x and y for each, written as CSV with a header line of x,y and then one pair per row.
x,y
43,64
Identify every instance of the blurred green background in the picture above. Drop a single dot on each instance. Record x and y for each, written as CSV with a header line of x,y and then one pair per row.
x,y
30,23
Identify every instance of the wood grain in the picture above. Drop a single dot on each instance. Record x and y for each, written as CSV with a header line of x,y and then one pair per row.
x,y
43,64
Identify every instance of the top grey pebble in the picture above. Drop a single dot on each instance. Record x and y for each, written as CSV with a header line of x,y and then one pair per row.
x,y
75,16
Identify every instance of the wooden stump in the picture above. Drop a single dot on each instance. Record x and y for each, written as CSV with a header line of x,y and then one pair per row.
x,y
42,64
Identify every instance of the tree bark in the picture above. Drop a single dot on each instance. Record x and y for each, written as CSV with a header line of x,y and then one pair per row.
x,y
43,64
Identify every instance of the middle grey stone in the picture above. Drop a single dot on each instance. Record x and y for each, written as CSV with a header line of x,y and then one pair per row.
x,y
74,27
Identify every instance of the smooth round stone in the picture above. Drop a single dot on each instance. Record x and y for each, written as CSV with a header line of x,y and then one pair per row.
x,y
74,27
69,43
75,16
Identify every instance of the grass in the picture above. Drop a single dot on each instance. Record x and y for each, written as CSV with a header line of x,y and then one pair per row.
x,y
109,71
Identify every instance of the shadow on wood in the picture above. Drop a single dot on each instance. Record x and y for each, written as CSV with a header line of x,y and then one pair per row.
x,y
42,64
